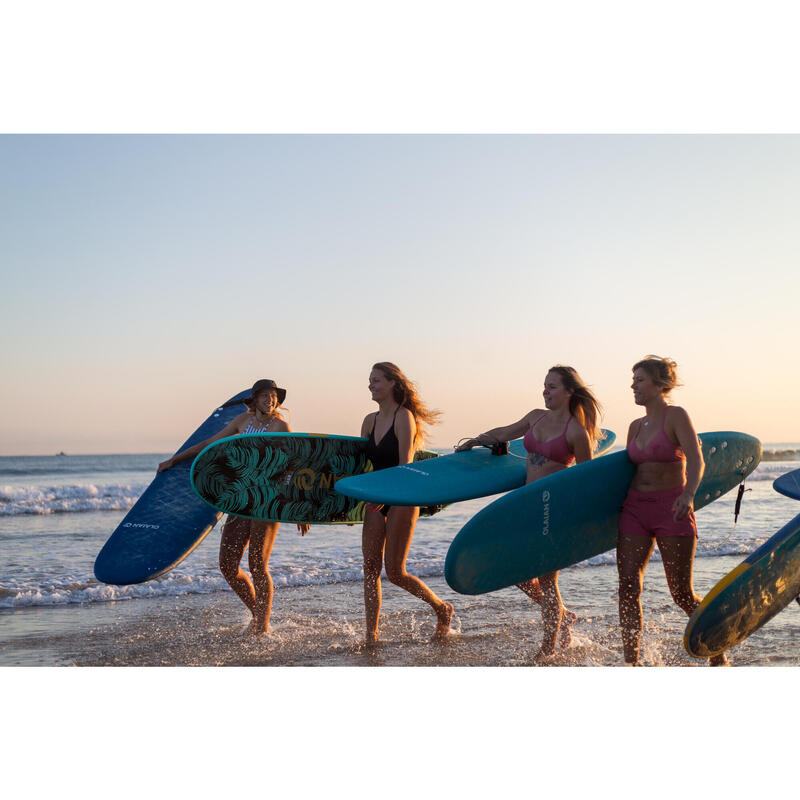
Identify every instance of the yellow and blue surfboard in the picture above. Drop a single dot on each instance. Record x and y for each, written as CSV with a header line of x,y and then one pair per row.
x,y
747,597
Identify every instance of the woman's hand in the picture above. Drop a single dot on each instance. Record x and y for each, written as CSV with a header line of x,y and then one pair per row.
x,y
165,465
683,504
303,528
468,444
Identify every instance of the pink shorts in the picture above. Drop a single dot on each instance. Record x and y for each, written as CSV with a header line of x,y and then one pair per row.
x,y
650,514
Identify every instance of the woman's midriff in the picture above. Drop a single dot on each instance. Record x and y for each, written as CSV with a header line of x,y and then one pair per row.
x,y
653,476
543,470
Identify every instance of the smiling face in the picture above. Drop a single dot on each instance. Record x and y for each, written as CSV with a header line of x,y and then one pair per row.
x,y
644,388
380,386
266,401
555,394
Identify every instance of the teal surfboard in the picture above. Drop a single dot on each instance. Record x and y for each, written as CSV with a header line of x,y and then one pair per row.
x,y
285,477
168,521
449,479
572,515
748,596
788,484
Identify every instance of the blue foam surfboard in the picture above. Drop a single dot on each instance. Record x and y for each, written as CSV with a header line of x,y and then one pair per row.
x,y
748,596
788,484
168,521
449,479
285,477
572,515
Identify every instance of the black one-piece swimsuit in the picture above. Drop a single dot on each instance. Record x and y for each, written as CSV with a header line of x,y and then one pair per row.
x,y
384,454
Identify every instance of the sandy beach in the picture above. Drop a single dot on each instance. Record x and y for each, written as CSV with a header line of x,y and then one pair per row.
x,y
323,626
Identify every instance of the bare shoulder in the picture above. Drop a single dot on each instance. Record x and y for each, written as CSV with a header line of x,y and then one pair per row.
x,y
240,422
576,429
366,425
677,415
405,418
535,415
281,426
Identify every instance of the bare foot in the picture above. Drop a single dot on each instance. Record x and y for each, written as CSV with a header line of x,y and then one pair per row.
x,y
544,655
257,628
568,619
372,639
444,616
719,661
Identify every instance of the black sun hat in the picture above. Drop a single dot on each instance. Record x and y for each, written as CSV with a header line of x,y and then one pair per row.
x,y
266,383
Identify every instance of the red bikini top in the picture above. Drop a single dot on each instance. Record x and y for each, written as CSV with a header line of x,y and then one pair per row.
x,y
555,449
659,449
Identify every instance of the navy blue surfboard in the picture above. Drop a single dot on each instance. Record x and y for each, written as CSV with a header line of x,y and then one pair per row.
x,y
168,521
573,515
788,484
748,596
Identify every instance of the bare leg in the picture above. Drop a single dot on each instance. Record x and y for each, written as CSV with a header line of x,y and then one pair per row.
x,y
373,538
551,612
262,539
399,533
235,536
677,555
568,618
633,553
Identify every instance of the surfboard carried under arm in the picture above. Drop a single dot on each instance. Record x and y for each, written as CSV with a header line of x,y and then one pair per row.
x,y
451,478
573,515
168,521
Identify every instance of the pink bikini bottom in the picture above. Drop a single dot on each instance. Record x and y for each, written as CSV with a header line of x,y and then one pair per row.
x,y
650,514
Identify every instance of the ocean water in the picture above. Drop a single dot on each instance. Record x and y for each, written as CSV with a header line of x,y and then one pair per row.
x,y
56,512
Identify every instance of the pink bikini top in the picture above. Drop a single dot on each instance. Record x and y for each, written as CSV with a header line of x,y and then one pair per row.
x,y
659,449
555,449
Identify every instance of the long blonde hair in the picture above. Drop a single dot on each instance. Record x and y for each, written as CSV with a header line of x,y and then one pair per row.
x,y
583,405
405,393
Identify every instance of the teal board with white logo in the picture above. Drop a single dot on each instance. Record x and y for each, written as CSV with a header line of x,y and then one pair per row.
x,y
451,478
573,515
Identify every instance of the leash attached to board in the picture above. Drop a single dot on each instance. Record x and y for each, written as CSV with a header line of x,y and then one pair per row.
x,y
738,507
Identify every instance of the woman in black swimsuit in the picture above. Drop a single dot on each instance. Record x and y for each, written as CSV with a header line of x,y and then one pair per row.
x,y
393,435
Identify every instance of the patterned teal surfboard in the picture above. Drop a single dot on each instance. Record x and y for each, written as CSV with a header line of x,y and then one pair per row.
x,y
285,477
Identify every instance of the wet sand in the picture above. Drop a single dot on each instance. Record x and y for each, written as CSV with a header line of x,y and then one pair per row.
x,y
323,625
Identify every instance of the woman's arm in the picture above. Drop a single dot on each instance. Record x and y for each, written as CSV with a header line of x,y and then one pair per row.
x,y
505,433
695,466
190,452
405,430
578,440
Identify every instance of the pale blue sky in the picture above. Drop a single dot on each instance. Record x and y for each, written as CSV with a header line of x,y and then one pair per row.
x,y
147,278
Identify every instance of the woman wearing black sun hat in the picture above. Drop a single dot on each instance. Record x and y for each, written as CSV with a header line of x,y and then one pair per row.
x,y
263,416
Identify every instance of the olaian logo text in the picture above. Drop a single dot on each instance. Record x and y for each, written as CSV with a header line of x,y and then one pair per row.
x,y
140,525
546,514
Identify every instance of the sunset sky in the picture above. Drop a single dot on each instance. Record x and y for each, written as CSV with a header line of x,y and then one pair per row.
x,y
146,279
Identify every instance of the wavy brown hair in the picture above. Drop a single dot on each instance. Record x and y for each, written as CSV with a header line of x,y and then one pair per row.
x,y
662,371
583,405
405,394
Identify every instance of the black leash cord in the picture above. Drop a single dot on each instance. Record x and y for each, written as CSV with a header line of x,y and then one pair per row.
x,y
738,507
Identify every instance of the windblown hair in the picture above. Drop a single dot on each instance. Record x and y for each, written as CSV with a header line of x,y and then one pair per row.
x,y
662,371
583,405
405,393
